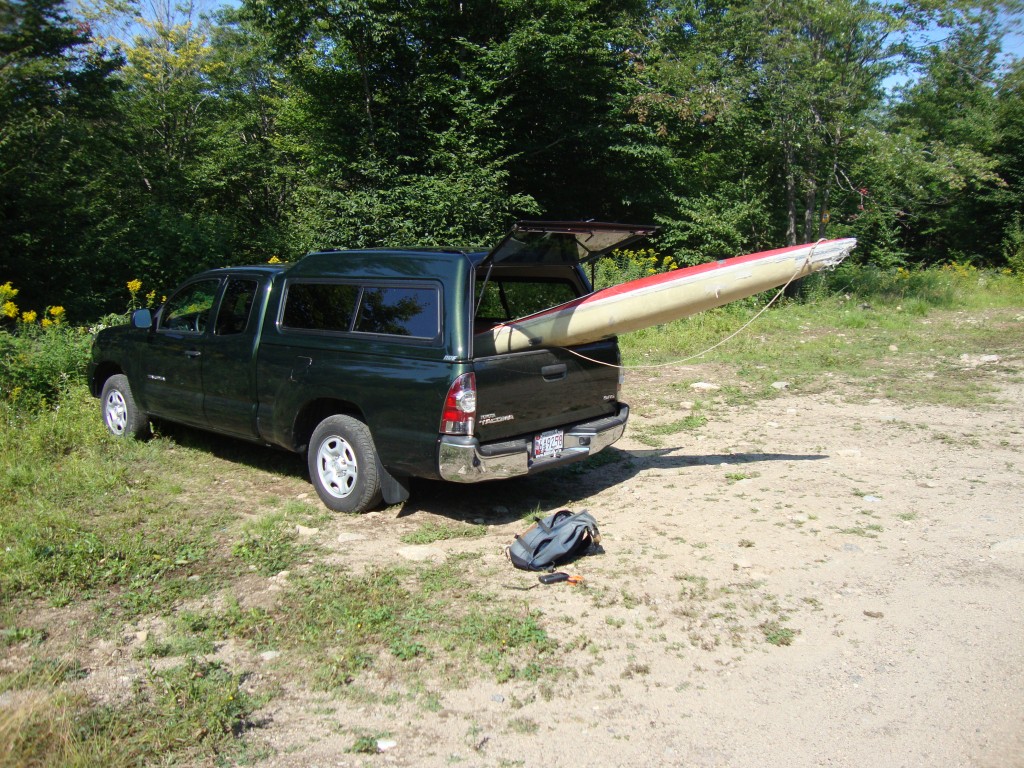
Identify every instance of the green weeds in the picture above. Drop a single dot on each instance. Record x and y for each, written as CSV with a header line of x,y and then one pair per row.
x,y
777,634
428,533
177,715
269,544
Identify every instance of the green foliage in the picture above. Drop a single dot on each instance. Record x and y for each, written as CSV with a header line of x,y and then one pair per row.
x,y
40,366
146,143
732,220
624,265
1013,245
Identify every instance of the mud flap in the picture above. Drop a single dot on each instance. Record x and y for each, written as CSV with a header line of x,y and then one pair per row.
x,y
393,489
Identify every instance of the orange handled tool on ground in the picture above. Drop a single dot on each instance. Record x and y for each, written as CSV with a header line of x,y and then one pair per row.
x,y
558,576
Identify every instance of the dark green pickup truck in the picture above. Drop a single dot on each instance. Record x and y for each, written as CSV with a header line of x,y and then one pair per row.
x,y
364,360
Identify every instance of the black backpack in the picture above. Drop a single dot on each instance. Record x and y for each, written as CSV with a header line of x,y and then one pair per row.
x,y
554,540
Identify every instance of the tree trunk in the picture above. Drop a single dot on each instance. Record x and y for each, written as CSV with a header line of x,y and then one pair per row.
x,y
810,201
810,192
790,196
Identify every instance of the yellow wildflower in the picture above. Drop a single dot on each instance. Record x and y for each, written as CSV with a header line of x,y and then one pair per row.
x,y
150,298
28,316
10,309
7,292
47,322
57,313
134,286
273,260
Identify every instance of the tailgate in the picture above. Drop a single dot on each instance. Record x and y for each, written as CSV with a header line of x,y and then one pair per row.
x,y
523,393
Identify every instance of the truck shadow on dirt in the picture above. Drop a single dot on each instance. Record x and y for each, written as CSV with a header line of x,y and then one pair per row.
x,y
507,501
493,503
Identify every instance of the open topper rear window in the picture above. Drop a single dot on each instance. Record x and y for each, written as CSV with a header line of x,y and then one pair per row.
x,y
564,242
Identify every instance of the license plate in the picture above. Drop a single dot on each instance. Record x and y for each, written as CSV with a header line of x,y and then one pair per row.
x,y
548,444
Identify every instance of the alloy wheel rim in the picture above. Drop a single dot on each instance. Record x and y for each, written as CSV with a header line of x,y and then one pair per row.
x,y
337,467
117,413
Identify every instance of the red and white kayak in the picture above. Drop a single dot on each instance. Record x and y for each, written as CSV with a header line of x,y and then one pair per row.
x,y
661,298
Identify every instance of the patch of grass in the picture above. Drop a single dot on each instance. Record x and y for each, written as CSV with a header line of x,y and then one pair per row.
x,y
635,669
867,531
255,625
175,645
428,533
269,544
188,715
366,744
413,615
43,672
17,635
200,702
777,634
653,435
849,336
82,514
525,726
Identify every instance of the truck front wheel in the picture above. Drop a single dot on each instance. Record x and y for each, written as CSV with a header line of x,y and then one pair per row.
x,y
343,465
120,413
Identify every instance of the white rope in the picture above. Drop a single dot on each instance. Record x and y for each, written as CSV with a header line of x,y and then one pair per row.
x,y
731,336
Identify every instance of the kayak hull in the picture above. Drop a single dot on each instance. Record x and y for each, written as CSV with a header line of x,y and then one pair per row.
x,y
661,298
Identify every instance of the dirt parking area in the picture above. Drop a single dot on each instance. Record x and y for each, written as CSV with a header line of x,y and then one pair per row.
x,y
812,580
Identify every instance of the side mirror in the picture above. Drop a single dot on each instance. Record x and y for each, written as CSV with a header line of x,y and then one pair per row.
x,y
142,318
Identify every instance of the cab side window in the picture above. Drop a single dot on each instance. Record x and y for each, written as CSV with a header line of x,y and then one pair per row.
x,y
236,306
188,311
320,306
395,311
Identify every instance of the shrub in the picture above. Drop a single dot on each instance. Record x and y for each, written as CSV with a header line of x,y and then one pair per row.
x,y
625,265
1013,245
39,365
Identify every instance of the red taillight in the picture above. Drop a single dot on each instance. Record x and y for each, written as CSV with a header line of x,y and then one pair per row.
x,y
460,406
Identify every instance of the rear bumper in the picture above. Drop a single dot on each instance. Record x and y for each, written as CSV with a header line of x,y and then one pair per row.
x,y
465,460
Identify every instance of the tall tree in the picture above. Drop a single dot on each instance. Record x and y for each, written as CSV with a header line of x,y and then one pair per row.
x,y
1008,201
950,113
773,94
55,102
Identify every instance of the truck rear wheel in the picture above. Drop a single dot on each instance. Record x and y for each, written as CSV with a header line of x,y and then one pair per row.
x,y
120,413
343,465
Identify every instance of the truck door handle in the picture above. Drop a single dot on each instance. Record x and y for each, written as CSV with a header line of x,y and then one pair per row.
x,y
193,353
553,372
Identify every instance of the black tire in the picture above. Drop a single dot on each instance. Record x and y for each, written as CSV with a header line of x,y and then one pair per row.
x,y
121,415
343,465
